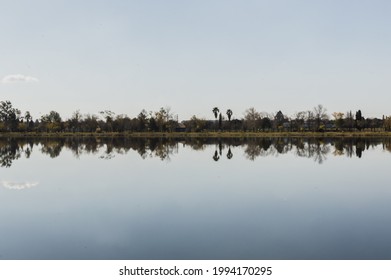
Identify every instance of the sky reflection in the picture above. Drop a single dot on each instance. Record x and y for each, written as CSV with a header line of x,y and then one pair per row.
x,y
261,199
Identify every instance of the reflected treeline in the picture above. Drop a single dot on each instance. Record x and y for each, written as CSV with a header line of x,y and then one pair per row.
x,y
316,148
164,148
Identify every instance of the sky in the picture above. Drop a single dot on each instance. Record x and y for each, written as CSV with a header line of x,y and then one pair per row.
x,y
191,56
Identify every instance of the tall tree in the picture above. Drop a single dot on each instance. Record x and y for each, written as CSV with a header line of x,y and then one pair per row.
x,y
387,123
91,123
299,120
359,123
52,117
215,111
109,116
28,117
142,120
9,115
320,115
74,121
338,116
251,117
52,121
358,115
279,120
349,121
229,114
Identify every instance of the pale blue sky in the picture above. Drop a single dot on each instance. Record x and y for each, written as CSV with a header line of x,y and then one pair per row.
x,y
126,56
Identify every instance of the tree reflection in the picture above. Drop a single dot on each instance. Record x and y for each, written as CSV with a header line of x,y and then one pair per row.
x,y
52,147
229,153
216,156
252,151
9,151
165,148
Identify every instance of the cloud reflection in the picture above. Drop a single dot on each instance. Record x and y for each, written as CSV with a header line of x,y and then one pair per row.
x,y
18,78
18,185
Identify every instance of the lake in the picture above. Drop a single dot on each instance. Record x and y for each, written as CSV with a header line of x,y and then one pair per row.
x,y
135,198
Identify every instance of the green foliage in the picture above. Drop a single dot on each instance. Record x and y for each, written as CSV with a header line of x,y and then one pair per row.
x,y
9,115
142,121
387,123
22,126
195,124
52,117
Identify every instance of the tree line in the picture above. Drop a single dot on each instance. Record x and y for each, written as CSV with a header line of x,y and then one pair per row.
x,y
163,120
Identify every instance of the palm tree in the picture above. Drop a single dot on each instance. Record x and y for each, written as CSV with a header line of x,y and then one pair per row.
x,y
229,114
216,156
216,112
28,117
229,154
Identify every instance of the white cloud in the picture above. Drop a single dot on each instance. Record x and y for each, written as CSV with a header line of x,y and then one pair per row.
x,y
18,186
18,78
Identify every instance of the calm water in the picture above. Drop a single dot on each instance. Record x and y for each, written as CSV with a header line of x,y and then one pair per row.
x,y
195,199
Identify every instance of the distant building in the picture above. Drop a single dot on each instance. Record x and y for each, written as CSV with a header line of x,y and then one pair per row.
x,y
180,128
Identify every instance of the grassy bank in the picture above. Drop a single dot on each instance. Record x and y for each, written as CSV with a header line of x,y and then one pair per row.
x,y
201,134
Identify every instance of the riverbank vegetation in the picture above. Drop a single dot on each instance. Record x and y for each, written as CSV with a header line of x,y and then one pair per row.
x,y
163,123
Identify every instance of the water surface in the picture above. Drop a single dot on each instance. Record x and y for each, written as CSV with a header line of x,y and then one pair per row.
x,y
269,198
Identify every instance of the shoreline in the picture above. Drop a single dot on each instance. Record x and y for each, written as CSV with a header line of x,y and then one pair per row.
x,y
225,134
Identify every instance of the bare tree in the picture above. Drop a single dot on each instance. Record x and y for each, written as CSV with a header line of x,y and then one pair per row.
x,y
299,119
320,115
251,116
